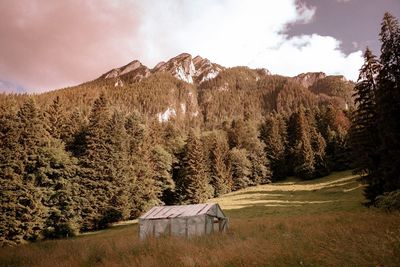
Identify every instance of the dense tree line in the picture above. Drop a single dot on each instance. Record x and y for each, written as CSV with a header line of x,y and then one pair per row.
x,y
375,131
62,173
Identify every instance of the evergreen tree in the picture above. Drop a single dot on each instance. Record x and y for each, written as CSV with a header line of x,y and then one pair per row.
x,y
145,192
260,167
162,162
95,168
118,167
318,145
57,172
174,143
32,137
244,135
240,169
33,178
13,193
303,153
363,133
194,186
273,133
74,132
333,124
388,102
55,119
219,163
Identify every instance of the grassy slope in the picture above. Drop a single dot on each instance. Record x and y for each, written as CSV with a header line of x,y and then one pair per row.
x,y
315,223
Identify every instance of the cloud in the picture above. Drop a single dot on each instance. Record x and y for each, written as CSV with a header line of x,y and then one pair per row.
x,y
237,32
50,44
229,32
309,53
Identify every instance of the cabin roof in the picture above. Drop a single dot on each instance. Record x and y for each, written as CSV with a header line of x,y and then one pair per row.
x,y
164,212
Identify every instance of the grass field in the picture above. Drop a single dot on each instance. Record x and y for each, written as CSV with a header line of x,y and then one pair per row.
x,y
293,223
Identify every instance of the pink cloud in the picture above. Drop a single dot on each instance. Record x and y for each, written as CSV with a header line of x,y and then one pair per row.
x,y
51,44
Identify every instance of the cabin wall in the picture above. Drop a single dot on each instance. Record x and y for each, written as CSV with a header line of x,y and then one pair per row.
x,y
185,226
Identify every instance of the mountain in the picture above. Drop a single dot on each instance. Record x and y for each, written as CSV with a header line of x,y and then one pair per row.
x,y
9,87
309,78
194,90
183,67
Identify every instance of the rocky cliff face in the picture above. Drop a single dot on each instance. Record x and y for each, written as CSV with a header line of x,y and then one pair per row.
x,y
184,67
205,70
181,67
309,78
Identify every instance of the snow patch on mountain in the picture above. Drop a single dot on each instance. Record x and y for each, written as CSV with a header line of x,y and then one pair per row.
x,y
182,75
119,83
166,115
211,75
183,108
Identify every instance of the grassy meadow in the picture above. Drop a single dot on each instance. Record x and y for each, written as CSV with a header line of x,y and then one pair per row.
x,y
292,223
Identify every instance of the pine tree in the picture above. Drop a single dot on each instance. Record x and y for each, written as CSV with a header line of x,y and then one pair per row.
x,y
318,145
162,162
119,171
95,169
57,171
260,166
145,192
55,118
219,163
363,133
273,133
303,153
194,186
74,132
241,168
388,102
244,135
35,178
12,187
32,137
333,124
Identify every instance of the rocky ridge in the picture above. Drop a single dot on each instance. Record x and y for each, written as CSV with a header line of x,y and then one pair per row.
x,y
184,67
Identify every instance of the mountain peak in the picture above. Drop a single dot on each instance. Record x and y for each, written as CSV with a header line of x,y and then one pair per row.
x,y
183,67
130,67
309,78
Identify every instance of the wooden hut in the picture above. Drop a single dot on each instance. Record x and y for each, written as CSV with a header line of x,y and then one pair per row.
x,y
183,220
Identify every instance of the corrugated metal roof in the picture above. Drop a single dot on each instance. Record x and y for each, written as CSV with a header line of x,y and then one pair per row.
x,y
162,212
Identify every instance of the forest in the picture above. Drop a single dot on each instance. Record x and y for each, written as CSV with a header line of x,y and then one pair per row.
x,y
79,159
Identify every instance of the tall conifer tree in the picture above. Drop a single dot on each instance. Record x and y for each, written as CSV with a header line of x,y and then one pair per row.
x,y
364,136
388,102
195,185
303,152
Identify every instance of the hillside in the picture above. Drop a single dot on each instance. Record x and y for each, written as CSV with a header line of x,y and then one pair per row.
x,y
317,223
190,88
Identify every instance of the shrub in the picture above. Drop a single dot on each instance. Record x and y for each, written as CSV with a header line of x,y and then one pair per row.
x,y
60,231
110,216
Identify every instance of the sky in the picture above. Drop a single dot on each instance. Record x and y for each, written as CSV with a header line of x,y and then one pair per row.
x,y
47,44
